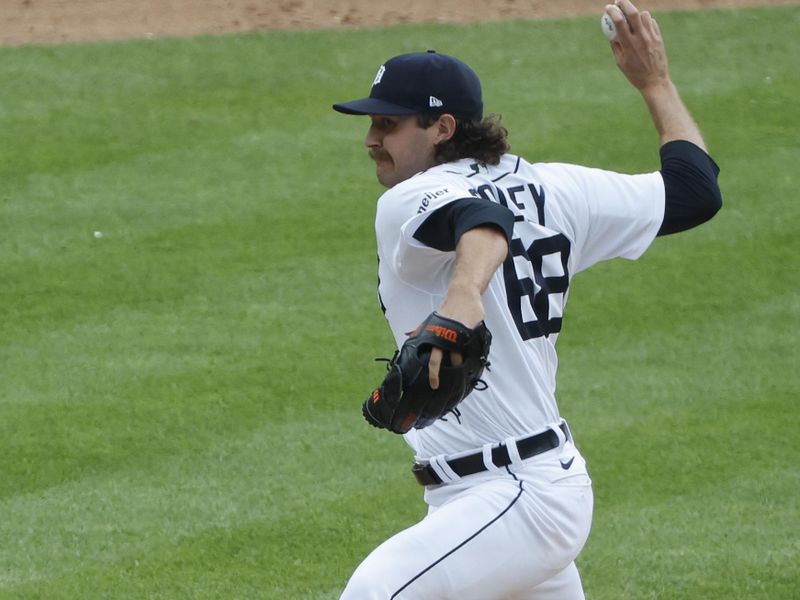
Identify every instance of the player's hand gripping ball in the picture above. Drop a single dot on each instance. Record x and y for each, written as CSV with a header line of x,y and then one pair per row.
x,y
405,399
607,23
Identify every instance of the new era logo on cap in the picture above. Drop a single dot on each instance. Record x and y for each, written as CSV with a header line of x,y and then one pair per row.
x,y
421,82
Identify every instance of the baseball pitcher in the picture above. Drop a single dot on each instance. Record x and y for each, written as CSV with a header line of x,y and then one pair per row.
x,y
477,249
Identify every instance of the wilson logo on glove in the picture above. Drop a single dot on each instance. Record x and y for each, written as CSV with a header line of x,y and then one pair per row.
x,y
405,399
443,332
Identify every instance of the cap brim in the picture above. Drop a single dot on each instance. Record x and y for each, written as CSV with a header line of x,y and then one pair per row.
x,y
372,106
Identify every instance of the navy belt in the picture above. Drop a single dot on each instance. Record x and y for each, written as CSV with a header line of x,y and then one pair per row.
x,y
473,463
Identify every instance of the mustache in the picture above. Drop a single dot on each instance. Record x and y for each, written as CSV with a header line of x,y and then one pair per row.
x,y
377,155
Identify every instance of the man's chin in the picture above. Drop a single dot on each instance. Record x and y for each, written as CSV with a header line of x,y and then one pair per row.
x,y
385,177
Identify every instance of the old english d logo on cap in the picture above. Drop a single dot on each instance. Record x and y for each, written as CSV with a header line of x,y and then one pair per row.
x,y
379,75
421,82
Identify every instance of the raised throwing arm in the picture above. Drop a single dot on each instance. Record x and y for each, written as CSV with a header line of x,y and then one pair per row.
x,y
641,56
692,194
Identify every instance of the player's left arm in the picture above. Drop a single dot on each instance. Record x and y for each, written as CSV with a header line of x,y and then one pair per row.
x,y
479,253
479,232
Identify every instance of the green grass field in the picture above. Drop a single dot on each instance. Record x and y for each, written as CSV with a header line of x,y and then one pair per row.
x,y
180,397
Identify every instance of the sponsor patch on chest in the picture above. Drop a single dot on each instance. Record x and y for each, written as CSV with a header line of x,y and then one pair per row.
x,y
429,197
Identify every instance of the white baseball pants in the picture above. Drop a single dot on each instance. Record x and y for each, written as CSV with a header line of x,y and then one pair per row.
x,y
504,535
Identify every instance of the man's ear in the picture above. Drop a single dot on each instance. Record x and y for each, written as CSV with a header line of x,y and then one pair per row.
x,y
445,127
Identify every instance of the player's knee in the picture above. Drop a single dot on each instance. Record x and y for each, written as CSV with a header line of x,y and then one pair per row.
x,y
365,586
393,569
380,577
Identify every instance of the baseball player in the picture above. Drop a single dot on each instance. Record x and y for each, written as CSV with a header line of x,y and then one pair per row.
x,y
475,235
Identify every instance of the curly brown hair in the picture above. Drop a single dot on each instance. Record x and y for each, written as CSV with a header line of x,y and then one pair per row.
x,y
485,140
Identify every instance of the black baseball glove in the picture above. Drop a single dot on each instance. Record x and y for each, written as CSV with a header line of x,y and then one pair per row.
x,y
405,399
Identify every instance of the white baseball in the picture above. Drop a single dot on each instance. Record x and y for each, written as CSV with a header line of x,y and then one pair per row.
x,y
607,25
98,234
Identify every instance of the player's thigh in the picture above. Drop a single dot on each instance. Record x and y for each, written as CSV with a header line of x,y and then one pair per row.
x,y
565,585
491,541
560,502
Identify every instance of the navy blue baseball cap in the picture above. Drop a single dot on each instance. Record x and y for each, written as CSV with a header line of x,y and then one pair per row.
x,y
421,82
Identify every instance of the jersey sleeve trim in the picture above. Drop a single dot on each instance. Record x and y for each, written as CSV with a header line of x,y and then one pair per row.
x,y
443,228
691,192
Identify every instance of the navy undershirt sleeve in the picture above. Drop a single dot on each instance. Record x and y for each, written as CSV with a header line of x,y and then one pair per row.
x,y
444,227
692,194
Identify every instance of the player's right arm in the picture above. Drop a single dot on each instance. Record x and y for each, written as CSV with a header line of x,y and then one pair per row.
x,y
641,56
692,194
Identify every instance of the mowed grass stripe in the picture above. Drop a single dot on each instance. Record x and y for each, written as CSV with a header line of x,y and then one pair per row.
x,y
189,371
228,485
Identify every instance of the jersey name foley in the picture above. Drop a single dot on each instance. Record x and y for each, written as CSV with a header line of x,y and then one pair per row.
x,y
566,218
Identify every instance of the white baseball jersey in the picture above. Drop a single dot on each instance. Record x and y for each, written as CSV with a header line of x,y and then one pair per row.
x,y
567,218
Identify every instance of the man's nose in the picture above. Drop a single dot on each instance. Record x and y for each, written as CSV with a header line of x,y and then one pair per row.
x,y
373,138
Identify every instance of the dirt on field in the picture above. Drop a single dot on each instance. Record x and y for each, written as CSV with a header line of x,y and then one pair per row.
x,y
59,21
